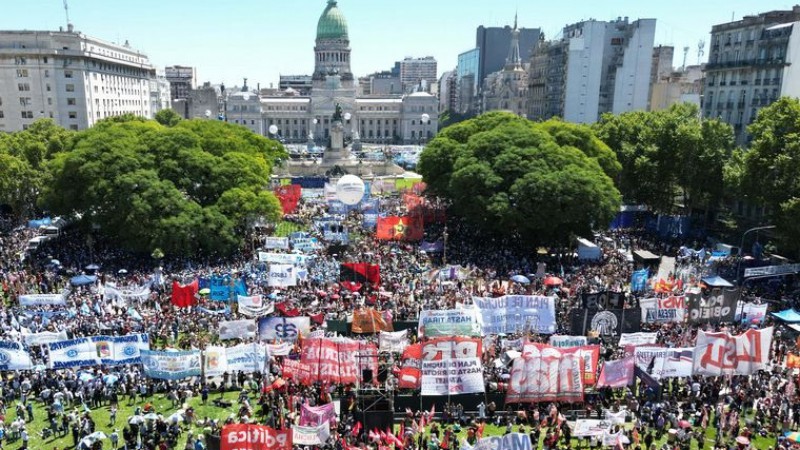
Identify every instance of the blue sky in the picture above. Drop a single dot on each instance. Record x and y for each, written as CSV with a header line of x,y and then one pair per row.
x,y
260,39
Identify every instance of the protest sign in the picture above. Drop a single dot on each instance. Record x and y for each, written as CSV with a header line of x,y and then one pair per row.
x,y
316,415
718,307
509,441
616,374
171,365
276,243
311,435
660,362
567,341
240,436
723,354
42,300
662,310
369,320
452,376
254,305
96,350
297,371
286,328
237,329
393,341
43,337
637,339
517,313
282,275
546,374
449,322
247,358
14,357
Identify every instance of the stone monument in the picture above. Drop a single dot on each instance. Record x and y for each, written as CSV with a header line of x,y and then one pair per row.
x,y
337,159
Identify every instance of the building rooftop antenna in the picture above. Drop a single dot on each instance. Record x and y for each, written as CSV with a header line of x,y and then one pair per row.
x,y
66,12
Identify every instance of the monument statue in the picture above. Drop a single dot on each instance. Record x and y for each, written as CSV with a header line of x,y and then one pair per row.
x,y
337,113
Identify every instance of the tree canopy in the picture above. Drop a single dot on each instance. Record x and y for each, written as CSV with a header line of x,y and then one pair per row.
x,y
667,154
188,188
539,182
771,166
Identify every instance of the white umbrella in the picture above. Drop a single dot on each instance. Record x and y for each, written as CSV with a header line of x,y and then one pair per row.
x,y
151,416
136,420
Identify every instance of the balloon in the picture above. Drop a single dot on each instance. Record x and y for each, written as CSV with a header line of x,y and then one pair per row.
x,y
350,189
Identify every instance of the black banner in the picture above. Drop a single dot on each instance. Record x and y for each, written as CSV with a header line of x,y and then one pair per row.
x,y
610,322
603,300
718,307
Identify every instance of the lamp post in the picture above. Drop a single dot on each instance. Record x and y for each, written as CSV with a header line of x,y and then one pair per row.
x,y
425,119
273,131
444,249
741,248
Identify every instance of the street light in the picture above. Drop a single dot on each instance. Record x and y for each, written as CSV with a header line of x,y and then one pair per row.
x,y
273,130
741,247
425,119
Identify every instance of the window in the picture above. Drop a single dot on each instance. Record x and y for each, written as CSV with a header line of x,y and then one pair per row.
x,y
27,114
24,101
47,86
67,74
24,87
73,115
70,101
1,114
49,101
22,73
47,73
45,60
21,60
70,88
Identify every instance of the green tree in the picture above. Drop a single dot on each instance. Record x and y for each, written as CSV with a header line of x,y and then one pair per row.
x,y
669,155
509,175
168,117
772,164
188,189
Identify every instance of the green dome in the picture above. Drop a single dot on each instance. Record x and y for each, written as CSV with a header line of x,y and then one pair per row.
x,y
332,24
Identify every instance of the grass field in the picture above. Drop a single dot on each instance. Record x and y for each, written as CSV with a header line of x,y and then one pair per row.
x,y
163,406
284,228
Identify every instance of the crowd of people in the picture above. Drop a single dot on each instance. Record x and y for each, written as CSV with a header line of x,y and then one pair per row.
x,y
738,408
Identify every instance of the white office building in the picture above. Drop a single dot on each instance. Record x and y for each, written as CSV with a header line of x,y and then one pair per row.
x,y
74,79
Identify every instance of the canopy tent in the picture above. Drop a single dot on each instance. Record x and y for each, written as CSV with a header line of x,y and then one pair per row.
x,y
82,280
646,258
787,315
587,250
717,281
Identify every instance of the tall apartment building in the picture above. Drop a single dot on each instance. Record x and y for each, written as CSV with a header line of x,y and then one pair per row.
x,y
416,72
182,80
752,63
493,44
467,81
295,84
447,91
595,68
72,78
386,82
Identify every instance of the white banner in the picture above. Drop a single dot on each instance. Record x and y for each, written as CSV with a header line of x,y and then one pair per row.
x,y
14,357
393,341
238,329
590,427
283,258
751,313
662,310
284,328
112,292
282,275
97,350
662,362
453,376
449,322
637,339
43,338
517,313
722,354
245,357
281,349
616,418
171,365
568,341
254,306
311,435
276,243
42,300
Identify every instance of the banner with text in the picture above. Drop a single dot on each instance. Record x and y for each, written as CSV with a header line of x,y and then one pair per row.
x,y
276,243
247,358
637,339
393,341
240,436
282,275
44,337
96,350
720,306
339,360
660,362
254,305
663,310
14,357
42,300
286,328
237,329
449,322
546,374
311,435
567,341
168,365
723,354
317,415
517,313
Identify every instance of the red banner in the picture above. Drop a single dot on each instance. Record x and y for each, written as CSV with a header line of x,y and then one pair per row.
x,y
451,348
793,361
546,374
369,320
407,228
289,196
297,371
590,356
412,200
339,362
410,374
365,272
240,436
183,296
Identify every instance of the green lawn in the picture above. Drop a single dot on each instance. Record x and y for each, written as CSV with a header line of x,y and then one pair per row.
x,y
162,406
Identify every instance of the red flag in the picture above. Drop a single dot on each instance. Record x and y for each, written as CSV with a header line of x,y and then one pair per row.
x,y
356,429
393,439
433,412
394,228
183,296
